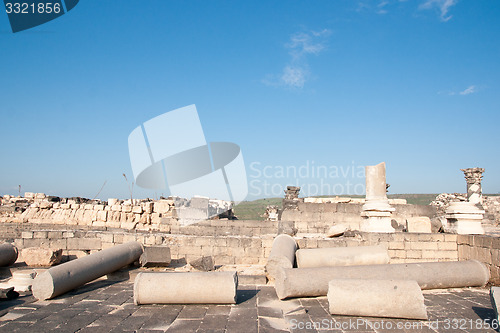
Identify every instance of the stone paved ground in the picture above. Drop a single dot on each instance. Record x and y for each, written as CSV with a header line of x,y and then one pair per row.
x,y
107,306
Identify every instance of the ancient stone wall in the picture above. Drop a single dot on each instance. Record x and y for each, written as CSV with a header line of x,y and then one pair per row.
x,y
482,248
143,215
312,217
226,243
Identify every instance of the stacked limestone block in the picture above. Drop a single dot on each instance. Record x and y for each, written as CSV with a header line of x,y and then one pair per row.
x,y
145,215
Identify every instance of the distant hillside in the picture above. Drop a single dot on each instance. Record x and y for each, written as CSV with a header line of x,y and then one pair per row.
x,y
253,210
415,199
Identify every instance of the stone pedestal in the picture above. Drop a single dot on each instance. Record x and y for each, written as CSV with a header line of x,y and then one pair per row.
x,y
21,281
464,218
473,177
376,210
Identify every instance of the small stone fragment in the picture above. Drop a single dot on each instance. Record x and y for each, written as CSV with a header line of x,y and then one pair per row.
x,y
8,294
337,230
204,263
155,256
38,257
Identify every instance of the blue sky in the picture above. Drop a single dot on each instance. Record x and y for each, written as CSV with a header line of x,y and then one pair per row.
x,y
331,84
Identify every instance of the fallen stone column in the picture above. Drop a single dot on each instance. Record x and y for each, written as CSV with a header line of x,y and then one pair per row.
x,y
8,254
282,255
376,298
342,256
304,282
495,301
63,278
185,288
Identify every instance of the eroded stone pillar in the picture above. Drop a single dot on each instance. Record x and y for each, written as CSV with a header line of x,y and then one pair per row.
x,y
291,197
376,210
473,177
292,192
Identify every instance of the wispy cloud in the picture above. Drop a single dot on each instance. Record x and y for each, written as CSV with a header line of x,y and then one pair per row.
x,y
442,5
472,89
300,46
381,7
384,6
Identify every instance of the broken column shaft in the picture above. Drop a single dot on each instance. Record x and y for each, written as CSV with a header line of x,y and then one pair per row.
x,y
63,278
185,288
376,210
473,177
282,255
304,282
342,256
376,298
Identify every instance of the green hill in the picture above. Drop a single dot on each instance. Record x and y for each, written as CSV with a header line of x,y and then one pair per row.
x,y
253,210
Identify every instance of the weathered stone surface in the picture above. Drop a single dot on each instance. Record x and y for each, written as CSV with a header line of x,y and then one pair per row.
x,y
342,256
163,206
8,254
40,257
186,288
306,282
420,224
204,263
113,201
376,298
45,205
155,256
337,230
199,202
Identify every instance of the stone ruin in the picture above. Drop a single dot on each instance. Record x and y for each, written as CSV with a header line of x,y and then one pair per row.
x,y
131,214
452,207
371,259
467,213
